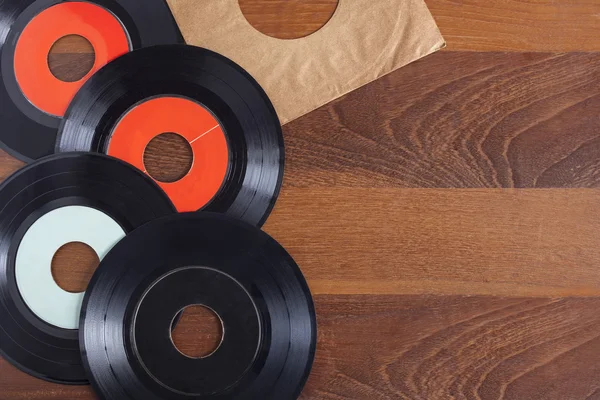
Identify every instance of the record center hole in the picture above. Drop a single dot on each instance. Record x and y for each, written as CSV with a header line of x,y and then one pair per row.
x,y
198,333
168,157
73,265
290,19
71,58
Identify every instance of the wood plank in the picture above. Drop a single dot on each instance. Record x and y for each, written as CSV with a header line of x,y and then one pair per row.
x,y
438,348
472,25
467,25
458,119
430,348
517,25
438,241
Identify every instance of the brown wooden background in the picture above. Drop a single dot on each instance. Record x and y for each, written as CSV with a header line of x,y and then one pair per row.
x,y
446,216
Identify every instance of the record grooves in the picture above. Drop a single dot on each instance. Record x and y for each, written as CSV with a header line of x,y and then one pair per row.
x,y
32,100
235,269
224,114
90,198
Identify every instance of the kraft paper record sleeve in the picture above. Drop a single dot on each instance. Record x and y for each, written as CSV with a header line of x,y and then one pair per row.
x,y
364,40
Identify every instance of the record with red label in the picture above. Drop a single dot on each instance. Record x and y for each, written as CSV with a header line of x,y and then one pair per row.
x,y
215,107
32,99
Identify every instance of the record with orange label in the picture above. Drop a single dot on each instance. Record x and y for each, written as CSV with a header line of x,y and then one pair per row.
x,y
33,99
201,99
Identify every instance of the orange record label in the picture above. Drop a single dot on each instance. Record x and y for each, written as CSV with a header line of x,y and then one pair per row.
x,y
193,122
98,25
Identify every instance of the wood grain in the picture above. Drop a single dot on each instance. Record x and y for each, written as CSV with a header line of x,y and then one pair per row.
x,y
445,215
518,25
440,241
168,157
458,119
71,58
429,348
74,280
198,332
289,19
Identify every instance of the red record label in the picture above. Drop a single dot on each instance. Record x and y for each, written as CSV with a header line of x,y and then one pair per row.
x,y
96,24
193,122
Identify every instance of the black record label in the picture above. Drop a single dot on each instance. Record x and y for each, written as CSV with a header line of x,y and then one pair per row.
x,y
33,100
208,259
219,109
73,197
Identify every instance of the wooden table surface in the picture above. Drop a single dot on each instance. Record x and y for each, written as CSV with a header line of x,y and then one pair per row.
x,y
446,215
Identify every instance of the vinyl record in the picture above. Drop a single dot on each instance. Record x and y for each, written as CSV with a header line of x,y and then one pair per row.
x,y
233,268
32,99
88,198
212,103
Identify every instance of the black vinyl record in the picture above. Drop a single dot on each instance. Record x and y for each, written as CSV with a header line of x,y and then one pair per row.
x,y
221,111
233,268
32,99
89,198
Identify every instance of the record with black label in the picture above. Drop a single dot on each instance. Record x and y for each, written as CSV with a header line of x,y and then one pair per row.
x,y
216,108
234,269
88,198
32,99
